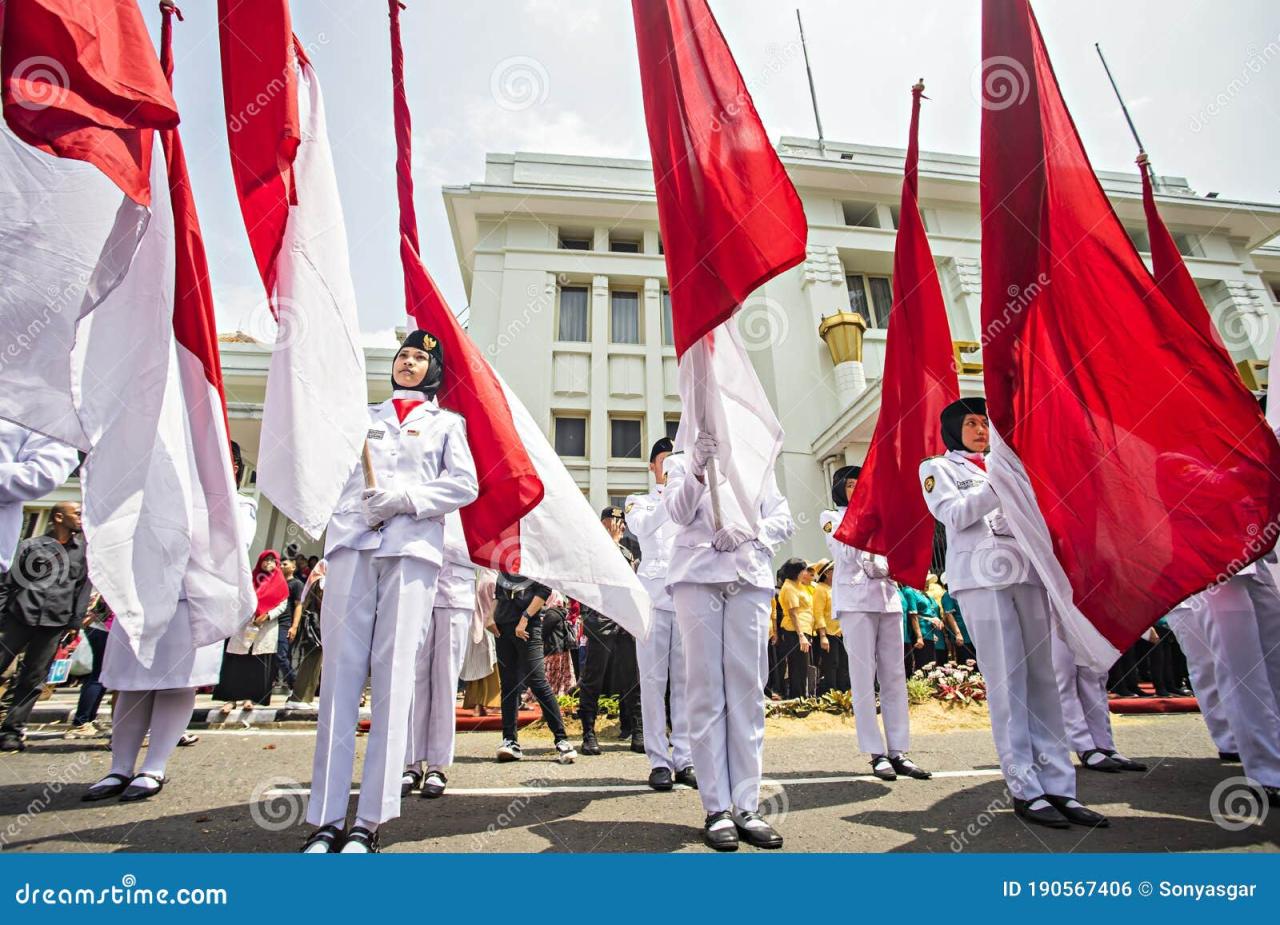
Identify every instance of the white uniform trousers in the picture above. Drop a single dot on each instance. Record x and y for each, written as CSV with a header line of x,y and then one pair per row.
x,y
725,628
1265,594
661,658
433,722
1193,634
1011,632
1246,691
1086,714
874,644
371,623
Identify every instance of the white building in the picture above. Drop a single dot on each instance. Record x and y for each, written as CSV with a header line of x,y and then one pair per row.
x,y
562,263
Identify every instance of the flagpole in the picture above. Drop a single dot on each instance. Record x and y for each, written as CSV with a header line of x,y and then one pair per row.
x,y
1133,129
813,93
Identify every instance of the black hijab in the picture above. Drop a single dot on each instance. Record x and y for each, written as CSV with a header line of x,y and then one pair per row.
x,y
953,421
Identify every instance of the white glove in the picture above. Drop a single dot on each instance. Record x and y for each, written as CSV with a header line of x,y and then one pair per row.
x,y
380,505
999,526
704,448
729,538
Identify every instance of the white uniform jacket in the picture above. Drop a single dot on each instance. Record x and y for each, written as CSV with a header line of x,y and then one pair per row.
x,y
456,586
31,466
860,581
981,550
693,559
648,519
428,457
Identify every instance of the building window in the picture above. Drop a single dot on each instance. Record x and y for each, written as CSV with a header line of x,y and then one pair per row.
x,y
571,436
1188,244
668,326
624,438
673,425
861,214
574,315
1275,292
871,297
617,500
574,241
624,317
1139,239
624,245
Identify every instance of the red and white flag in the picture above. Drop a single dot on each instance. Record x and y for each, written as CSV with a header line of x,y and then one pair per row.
x,y
314,417
105,362
887,514
1132,463
730,221
530,516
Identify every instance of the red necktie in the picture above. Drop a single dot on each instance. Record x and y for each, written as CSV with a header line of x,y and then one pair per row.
x,y
977,459
403,406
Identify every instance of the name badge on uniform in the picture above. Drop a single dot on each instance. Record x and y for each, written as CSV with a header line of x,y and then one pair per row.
x,y
411,433
967,483
375,434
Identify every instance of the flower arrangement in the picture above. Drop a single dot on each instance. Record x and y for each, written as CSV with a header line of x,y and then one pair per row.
x,y
951,683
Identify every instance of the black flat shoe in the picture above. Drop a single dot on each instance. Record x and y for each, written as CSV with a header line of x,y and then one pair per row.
x,y
688,777
360,841
1273,795
1078,815
1095,759
1046,815
134,794
904,765
660,779
756,831
1126,764
590,744
324,840
409,782
882,768
104,791
723,838
433,785
637,742
1229,757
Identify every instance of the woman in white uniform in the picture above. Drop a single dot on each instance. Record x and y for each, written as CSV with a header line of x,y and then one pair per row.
x,y
435,695
1007,612
158,701
721,584
866,602
385,547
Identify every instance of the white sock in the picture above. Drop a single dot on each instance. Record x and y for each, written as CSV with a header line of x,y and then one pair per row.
x,y
169,719
129,723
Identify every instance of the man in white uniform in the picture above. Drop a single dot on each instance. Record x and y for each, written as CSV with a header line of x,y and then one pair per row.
x,y
1195,638
1007,612
435,694
866,602
721,584
660,656
384,549
31,466
1086,712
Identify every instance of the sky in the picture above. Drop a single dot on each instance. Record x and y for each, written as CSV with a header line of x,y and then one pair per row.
x,y
560,76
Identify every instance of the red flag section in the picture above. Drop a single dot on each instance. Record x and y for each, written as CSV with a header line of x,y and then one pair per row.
x,y
730,218
80,79
509,483
260,95
887,513
1147,469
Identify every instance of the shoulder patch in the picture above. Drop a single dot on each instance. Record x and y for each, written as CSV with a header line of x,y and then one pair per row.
x,y
929,482
627,509
828,526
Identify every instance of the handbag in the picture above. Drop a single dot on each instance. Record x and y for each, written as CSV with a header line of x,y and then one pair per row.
x,y
81,659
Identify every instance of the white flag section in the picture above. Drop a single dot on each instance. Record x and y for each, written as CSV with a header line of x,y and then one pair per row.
x,y
67,237
563,544
315,414
722,395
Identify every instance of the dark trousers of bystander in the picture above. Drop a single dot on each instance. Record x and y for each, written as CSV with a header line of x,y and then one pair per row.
x,y
797,664
835,667
614,652
520,664
38,645
91,689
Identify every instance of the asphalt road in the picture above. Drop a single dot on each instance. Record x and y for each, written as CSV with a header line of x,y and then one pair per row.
x,y
245,792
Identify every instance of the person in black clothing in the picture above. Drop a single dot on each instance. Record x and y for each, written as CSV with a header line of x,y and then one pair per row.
x,y
518,617
609,646
42,598
289,622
